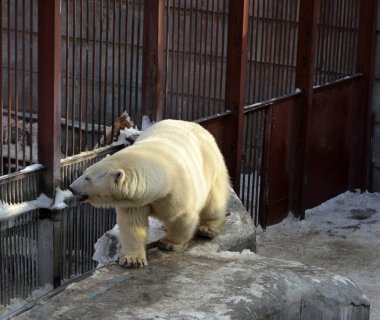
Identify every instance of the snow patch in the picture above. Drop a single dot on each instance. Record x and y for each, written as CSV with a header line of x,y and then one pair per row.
x,y
60,197
43,201
108,245
146,123
127,137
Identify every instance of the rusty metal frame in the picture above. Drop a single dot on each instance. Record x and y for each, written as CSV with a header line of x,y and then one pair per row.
x,y
235,83
306,54
49,92
365,65
153,59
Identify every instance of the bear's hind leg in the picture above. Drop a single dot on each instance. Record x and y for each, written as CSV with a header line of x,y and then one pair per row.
x,y
179,232
213,215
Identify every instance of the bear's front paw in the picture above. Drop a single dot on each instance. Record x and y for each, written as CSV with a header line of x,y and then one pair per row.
x,y
133,261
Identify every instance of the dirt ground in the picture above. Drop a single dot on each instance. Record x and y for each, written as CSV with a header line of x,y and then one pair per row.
x,y
342,235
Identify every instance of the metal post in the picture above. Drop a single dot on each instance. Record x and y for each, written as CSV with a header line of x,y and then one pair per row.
x,y
235,84
360,175
306,55
153,59
49,92
49,135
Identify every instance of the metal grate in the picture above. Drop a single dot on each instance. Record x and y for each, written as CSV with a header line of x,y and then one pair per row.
x,y
73,167
337,40
18,256
101,76
196,45
18,47
82,225
252,159
272,49
20,187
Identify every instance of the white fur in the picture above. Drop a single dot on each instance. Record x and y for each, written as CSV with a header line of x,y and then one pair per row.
x,y
174,172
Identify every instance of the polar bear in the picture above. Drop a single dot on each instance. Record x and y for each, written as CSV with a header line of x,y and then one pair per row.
x,y
173,172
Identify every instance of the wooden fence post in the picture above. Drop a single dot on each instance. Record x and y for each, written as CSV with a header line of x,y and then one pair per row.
x,y
153,59
49,92
305,70
238,12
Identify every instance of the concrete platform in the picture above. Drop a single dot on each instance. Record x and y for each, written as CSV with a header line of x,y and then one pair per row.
x,y
207,282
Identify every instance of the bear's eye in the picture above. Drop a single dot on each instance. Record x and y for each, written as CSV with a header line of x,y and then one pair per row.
x,y
87,178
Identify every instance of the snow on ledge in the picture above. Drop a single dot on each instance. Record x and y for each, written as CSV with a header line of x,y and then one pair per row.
x,y
43,201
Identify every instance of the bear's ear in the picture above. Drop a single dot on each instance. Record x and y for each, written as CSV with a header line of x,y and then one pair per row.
x,y
118,176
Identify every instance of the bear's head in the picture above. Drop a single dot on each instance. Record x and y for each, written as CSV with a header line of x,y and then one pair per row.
x,y
104,184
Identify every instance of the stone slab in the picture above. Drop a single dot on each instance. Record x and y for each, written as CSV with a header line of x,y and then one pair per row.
x,y
224,285
207,282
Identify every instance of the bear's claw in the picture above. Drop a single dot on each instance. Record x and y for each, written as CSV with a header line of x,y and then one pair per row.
x,y
133,262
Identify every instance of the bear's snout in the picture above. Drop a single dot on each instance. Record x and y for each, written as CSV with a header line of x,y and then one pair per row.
x,y
78,195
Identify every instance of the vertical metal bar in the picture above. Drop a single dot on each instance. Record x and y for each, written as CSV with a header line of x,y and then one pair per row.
x,y
193,106
106,73
73,102
99,102
288,43
32,138
16,85
153,59
250,90
183,60
211,111
126,55
113,95
1,90
307,42
131,64
176,114
222,73
215,109
188,111
137,69
67,80
205,63
294,50
365,65
199,108
170,111
235,83
80,77
9,107
49,92
86,139
276,52
119,58
23,32
93,110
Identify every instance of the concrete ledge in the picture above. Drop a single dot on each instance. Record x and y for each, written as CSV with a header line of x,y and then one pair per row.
x,y
207,282
226,285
